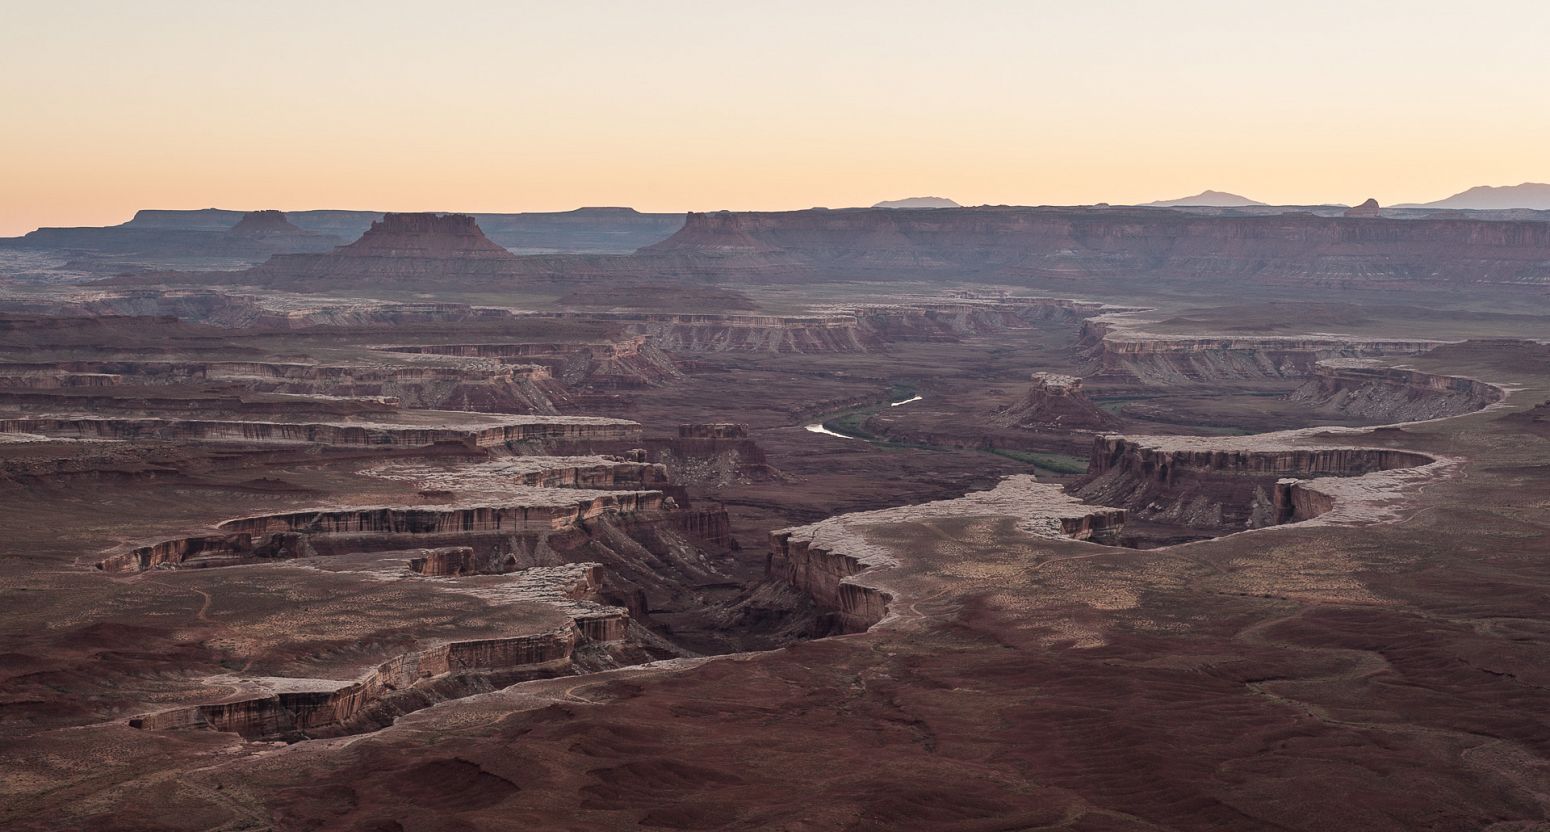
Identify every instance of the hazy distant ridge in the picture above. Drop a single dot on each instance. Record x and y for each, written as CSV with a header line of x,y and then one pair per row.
x,y
1529,195
1206,199
918,202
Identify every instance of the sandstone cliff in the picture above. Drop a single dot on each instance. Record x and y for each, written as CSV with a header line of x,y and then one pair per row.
x,y
1128,243
1123,353
304,709
1219,484
1352,387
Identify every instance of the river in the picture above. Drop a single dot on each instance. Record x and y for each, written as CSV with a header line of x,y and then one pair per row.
x,y
817,427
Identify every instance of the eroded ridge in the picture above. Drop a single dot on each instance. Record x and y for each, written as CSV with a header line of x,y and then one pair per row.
x,y
1368,388
469,383
823,559
1121,348
276,708
453,427
1219,485
630,362
564,553
861,328
496,503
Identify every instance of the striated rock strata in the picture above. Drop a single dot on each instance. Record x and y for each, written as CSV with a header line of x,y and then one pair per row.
x,y
1352,387
1220,484
498,431
1160,360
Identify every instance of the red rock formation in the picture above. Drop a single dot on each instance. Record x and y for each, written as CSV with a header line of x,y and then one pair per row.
x,y
822,574
264,223
445,562
1356,388
712,455
400,250
1166,359
1055,401
331,712
1217,484
1369,208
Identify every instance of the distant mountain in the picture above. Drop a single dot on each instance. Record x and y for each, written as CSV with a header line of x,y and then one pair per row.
x,y
1531,195
1206,199
919,202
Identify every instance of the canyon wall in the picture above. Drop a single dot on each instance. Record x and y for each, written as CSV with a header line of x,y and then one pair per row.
x,y
359,434
824,560
475,385
628,363
1162,360
1357,388
823,575
1218,485
1119,242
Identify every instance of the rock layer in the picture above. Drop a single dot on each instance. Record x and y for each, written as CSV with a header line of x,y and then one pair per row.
x,y
1370,390
1219,484
1055,401
1129,243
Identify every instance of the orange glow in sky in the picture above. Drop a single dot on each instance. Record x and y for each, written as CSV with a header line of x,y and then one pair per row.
x,y
671,106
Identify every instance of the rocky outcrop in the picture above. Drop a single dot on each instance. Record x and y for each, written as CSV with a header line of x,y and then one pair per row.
x,y
717,430
400,250
306,709
824,575
445,562
1370,208
1352,387
518,510
711,455
1218,484
1055,401
264,224
305,714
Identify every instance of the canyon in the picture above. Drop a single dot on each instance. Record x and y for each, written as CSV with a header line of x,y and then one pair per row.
x,y
419,531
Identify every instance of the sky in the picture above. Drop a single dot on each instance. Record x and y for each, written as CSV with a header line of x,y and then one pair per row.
x,y
107,107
